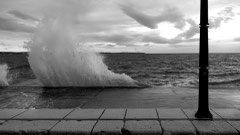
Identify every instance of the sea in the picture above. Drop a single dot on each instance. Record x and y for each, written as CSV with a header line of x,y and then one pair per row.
x,y
167,70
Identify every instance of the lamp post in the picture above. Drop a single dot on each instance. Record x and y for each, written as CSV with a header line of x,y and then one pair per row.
x,y
203,103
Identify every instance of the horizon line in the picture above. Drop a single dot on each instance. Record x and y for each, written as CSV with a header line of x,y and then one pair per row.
x,y
142,52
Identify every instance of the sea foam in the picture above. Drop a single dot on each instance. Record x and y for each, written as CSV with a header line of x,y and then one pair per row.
x,y
57,60
3,75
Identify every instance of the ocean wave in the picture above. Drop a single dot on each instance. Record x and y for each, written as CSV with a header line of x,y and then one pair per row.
x,y
233,81
57,60
224,74
3,75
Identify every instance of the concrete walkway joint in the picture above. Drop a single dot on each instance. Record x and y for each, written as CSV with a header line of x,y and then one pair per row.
x,y
117,121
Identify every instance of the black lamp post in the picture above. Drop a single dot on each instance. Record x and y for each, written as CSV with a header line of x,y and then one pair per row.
x,y
203,103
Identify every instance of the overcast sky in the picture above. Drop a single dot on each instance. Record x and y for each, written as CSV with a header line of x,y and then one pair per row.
x,y
152,26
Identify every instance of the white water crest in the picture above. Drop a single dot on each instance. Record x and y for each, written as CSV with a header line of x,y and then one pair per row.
x,y
58,61
3,75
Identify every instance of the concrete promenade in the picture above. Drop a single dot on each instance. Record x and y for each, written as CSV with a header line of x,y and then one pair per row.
x,y
118,121
155,110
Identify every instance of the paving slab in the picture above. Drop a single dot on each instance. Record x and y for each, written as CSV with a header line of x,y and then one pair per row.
x,y
108,127
191,114
44,114
84,114
141,114
228,113
142,127
36,127
177,127
9,113
235,124
209,127
73,127
171,113
114,114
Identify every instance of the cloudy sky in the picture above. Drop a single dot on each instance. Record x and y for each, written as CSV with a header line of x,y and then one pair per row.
x,y
151,26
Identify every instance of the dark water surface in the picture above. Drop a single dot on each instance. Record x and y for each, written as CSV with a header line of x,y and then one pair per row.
x,y
171,70
177,70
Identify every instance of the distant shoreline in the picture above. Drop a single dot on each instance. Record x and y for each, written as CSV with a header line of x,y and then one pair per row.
x,y
136,53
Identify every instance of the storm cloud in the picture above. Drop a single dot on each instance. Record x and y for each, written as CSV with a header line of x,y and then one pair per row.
x,y
170,14
118,23
113,38
22,15
161,40
224,16
237,39
192,31
13,26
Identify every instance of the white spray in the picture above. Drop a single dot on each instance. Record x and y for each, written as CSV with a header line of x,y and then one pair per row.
x,y
3,75
58,60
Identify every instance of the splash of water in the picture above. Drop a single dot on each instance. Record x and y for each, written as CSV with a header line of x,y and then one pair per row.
x,y
3,75
57,60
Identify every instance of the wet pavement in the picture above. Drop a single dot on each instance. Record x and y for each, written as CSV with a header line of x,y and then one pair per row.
x,y
24,97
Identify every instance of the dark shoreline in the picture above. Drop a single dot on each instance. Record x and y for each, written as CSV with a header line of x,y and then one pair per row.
x,y
139,53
